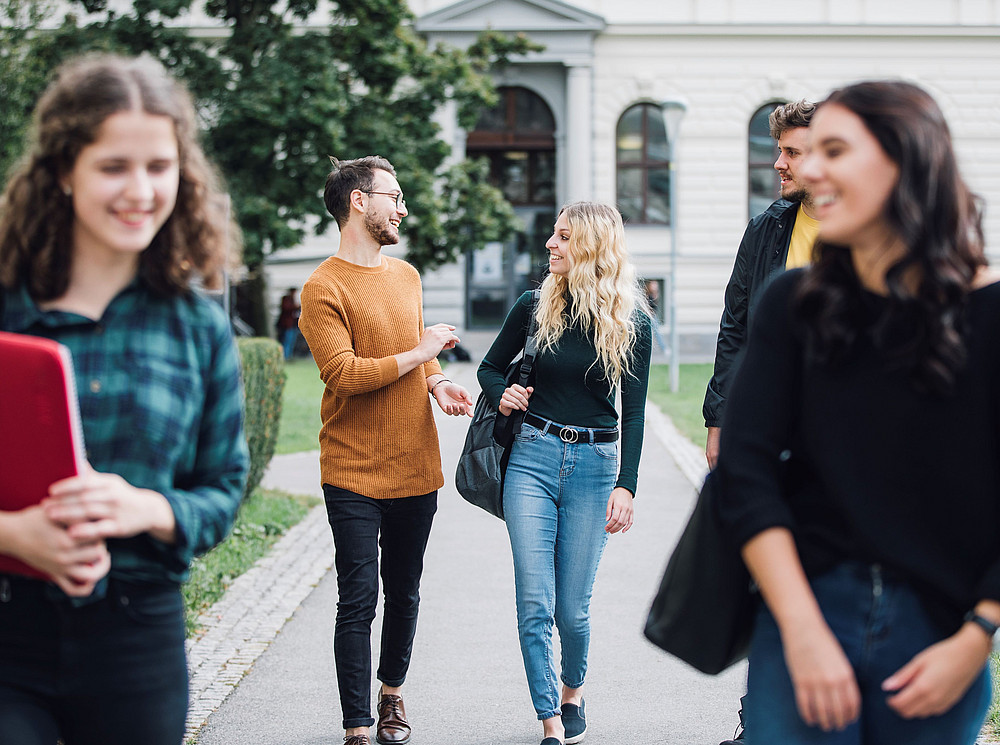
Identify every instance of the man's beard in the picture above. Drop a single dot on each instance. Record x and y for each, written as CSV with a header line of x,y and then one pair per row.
x,y
796,195
379,229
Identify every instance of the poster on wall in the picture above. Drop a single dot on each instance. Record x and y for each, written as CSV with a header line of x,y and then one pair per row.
x,y
487,264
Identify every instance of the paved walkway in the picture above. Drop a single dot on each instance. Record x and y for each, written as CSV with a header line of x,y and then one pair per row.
x,y
262,672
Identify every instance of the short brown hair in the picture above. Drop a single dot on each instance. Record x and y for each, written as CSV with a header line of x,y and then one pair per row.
x,y
348,175
790,116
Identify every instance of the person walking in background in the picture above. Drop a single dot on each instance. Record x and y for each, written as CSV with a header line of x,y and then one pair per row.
x,y
288,322
104,227
362,317
564,491
652,287
779,238
860,459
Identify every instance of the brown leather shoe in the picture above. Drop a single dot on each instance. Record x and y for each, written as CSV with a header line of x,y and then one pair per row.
x,y
392,727
356,740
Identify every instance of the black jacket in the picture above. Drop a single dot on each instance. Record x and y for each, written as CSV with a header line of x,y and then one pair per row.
x,y
761,256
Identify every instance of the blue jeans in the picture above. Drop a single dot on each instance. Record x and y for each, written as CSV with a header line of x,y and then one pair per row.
x,y
288,339
555,501
111,672
360,526
881,624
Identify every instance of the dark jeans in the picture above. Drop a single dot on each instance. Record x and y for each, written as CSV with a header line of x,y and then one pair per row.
x,y
360,526
111,672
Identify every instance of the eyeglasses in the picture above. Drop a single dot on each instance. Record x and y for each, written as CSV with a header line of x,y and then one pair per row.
x,y
397,195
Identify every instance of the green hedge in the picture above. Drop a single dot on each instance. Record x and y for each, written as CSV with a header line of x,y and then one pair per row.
x,y
264,381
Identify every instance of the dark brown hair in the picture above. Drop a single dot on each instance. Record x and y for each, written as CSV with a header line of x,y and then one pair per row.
x,y
790,116
36,217
938,220
348,175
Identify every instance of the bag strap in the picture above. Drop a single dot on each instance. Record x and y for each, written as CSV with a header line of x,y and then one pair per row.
x,y
530,342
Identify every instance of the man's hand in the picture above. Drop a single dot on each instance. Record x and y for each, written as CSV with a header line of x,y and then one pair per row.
x,y
436,338
453,399
712,446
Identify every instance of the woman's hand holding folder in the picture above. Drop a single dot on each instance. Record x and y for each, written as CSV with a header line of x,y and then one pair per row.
x,y
74,564
97,505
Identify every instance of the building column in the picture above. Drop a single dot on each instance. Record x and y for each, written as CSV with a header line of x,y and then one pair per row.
x,y
579,133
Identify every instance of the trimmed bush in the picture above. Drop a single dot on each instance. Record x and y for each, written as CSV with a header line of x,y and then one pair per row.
x,y
264,381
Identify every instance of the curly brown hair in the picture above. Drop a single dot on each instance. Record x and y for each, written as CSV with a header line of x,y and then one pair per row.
x,y
36,217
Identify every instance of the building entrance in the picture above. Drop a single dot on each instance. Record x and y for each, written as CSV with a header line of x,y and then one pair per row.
x,y
517,137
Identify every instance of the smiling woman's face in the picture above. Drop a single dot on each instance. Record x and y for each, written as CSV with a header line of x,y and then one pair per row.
x,y
124,185
850,177
558,246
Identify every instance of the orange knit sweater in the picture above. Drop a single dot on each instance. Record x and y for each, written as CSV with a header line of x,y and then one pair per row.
x,y
378,436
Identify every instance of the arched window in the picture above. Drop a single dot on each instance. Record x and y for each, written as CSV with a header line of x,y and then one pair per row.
x,y
517,136
643,166
764,182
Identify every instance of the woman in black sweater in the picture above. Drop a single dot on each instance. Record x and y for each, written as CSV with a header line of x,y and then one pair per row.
x,y
565,491
860,461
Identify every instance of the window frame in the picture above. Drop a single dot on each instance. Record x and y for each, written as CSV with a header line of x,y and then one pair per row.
x,y
645,165
755,166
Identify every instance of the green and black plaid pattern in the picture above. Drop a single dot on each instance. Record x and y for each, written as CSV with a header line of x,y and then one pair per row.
x,y
162,406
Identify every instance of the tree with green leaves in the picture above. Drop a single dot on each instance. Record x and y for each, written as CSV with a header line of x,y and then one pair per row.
x,y
281,86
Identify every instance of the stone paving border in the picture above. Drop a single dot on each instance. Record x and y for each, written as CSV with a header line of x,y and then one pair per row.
x,y
241,625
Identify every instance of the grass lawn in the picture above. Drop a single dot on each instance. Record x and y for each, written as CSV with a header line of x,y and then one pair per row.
x,y
683,407
299,430
261,521
992,728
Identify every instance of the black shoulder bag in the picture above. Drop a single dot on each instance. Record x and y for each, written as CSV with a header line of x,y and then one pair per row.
x,y
703,611
483,462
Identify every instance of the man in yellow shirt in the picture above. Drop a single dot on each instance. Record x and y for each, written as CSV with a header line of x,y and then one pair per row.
x,y
379,456
779,238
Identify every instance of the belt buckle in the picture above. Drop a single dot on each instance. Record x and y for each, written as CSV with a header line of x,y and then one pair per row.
x,y
569,435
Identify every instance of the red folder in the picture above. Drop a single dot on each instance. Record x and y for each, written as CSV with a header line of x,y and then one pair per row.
x,y
41,440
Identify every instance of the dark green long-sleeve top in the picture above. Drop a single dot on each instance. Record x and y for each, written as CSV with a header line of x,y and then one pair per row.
x,y
570,389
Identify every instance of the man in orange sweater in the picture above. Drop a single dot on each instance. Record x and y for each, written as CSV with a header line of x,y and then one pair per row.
x,y
379,455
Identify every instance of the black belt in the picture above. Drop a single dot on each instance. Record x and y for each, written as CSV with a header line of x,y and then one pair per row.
x,y
571,434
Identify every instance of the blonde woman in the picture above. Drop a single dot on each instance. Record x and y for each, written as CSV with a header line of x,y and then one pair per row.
x,y
565,491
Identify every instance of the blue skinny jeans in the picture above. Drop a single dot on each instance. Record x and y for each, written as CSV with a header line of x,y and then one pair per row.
x,y
555,501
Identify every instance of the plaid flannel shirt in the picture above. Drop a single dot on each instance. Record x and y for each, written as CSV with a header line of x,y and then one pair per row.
x,y
161,401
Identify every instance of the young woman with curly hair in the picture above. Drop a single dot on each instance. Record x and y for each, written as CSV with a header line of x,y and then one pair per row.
x,y
565,491
106,226
860,460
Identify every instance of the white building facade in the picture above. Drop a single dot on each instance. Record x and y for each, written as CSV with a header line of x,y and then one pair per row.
x,y
577,121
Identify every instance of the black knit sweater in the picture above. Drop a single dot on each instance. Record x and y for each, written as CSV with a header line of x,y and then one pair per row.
x,y
860,465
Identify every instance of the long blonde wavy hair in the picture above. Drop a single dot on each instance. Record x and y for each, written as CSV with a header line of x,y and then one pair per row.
x,y
600,289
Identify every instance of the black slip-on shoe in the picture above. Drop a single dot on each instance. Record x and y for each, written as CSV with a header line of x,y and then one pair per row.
x,y
574,720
